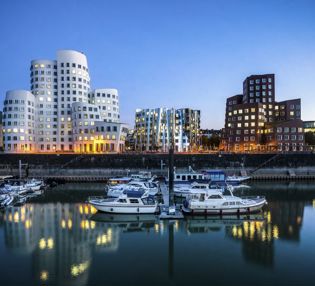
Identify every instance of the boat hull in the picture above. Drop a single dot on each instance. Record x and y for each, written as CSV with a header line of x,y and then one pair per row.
x,y
126,209
224,211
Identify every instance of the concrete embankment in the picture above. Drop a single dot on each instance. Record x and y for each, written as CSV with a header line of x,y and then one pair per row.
x,y
94,175
294,166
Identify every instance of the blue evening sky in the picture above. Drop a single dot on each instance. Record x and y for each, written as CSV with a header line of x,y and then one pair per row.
x,y
167,53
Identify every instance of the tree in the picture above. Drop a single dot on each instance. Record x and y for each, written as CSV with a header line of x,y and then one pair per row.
x,y
310,138
214,141
263,139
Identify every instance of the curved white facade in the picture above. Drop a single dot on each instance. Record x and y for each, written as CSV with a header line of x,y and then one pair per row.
x,y
45,89
19,122
91,134
56,85
107,100
73,86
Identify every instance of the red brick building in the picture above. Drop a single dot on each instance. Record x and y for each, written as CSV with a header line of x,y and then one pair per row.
x,y
254,121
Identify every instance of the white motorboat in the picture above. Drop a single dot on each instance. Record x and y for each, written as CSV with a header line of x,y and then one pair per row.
x,y
34,185
18,189
125,204
116,191
141,176
215,203
194,189
6,200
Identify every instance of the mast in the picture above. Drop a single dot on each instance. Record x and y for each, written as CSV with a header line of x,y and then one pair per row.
x,y
171,161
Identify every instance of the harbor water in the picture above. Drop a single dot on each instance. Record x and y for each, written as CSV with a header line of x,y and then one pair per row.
x,y
58,239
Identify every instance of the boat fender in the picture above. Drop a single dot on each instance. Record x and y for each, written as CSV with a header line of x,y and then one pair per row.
x,y
111,209
220,212
248,209
137,209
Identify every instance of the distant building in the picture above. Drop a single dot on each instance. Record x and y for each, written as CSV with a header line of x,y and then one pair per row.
x,y
254,121
153,129
130,140
42,119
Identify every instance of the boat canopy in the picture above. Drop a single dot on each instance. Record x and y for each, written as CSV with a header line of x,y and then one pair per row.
x,y
215,175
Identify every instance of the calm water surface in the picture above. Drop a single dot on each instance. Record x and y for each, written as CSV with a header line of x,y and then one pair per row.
x,y
60,240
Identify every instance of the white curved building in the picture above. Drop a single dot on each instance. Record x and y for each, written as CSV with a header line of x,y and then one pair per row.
x,y
56,85
73,86
107,101
45,89
19,122
93,135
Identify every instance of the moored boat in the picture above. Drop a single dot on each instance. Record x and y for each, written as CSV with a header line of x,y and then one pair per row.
x,y
215,203
125,204
194,189
34,185
151,187
6,200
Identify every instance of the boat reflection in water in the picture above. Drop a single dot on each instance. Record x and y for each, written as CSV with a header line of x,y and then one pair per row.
x,y
63,240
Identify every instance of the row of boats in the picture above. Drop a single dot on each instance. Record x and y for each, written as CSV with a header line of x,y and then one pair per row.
x,y
137,194
16,192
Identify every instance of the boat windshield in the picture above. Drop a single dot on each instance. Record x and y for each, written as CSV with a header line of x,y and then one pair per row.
x,y
214,197
148,201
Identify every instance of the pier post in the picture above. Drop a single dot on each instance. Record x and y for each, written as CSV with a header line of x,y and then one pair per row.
x,y
20,169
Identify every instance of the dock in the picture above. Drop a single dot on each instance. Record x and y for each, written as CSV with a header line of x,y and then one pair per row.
x,y
165,206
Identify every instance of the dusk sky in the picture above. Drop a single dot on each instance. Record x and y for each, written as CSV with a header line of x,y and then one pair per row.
x,y
167,53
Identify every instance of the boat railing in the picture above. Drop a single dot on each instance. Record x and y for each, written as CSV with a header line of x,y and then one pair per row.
x,y
96,197
253,197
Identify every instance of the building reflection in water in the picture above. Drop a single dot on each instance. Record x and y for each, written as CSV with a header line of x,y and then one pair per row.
x,y
281,220
61,238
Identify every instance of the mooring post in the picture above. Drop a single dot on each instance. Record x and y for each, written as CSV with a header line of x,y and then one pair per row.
x,y
171,167
20,169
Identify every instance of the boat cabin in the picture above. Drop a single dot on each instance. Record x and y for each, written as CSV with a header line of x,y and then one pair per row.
x,y
133,200
143,175
188,177
215,175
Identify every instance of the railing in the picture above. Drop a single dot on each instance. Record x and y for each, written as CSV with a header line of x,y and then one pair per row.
x,y
265,163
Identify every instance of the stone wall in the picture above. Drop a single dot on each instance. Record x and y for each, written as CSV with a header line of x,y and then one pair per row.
x,y
153,161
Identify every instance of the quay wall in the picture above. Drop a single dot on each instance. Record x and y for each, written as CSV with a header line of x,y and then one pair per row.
x,y
153,161
100,167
